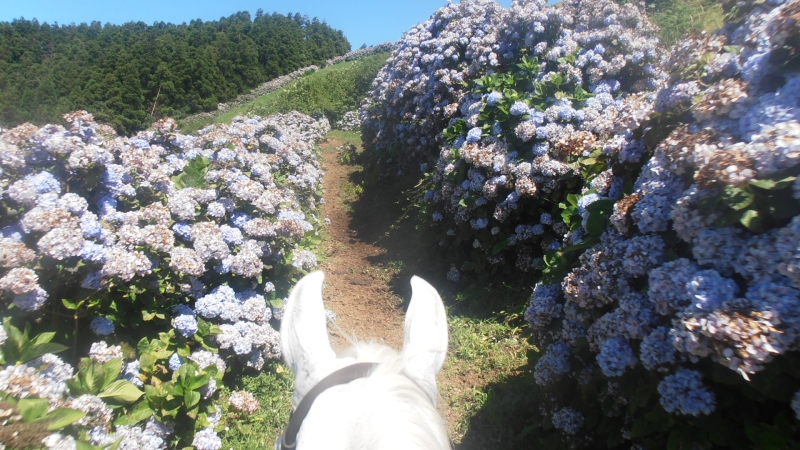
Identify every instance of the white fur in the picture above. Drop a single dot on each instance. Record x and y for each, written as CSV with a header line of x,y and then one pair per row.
x,y
395,406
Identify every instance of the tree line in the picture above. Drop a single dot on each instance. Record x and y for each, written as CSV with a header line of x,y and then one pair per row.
x,y
129,75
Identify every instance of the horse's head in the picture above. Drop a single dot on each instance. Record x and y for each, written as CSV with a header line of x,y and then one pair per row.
x,y
401,386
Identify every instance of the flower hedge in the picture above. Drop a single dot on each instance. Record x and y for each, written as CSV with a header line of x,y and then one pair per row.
x,y
653,195
162,257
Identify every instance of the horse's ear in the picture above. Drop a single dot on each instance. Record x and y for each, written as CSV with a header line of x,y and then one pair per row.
x,y
425,341
304,335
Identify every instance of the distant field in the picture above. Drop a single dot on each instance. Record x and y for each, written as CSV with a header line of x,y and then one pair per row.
x,y
331,91
675,18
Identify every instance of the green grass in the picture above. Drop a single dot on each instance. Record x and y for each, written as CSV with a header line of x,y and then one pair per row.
x,y
273,389
485,380
353,137
677,18
331,91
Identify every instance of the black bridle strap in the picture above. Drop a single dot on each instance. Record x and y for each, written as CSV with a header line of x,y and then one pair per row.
x,y
341,376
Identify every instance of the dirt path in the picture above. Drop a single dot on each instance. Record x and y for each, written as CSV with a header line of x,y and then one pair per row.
x,y
373,250
356,288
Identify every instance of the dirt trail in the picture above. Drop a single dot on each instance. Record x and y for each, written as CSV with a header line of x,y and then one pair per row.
x,y
372,257
356,288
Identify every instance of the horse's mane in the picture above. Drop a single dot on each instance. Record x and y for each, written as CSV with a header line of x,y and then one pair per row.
x,y
394,399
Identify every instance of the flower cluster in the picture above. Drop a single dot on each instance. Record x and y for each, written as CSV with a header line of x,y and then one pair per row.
x,y
684,392
46,377
567,420
191,223
697,263
228,199
349,122
244,401
245,328
513,103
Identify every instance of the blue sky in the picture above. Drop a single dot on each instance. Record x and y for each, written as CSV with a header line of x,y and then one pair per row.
x,y
362,21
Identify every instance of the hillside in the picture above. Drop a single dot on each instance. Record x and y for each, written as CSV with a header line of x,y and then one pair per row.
x,y
130,75
331,91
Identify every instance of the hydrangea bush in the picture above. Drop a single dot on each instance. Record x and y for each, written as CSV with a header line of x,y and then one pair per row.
x,y
654,195
512,112
162,256
350,121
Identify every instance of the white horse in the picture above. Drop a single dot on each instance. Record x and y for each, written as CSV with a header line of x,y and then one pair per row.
x,y
342,402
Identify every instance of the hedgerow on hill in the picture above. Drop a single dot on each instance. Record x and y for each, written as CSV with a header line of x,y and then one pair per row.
x,y
159,260
331,92
652,197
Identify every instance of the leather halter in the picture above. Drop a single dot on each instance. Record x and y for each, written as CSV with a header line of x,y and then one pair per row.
x,y
288,439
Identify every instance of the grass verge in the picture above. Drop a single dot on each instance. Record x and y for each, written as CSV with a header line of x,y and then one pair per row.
x,y
677,18
273,389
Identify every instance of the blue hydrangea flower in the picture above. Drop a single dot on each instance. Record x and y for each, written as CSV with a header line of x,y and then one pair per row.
x,y
685,393
131,373
541,148
474,135
231,235
90,226
182,309
599,49
175,362
605,99
185,324
13,232
544,305
518,109
497,128
542,132
211,305
537,117
493,97
93,252
101,326
239,219
566,113
657,350
44,183
207,439
546,219
615,357
183,230
585,201
709,290
459,142
567,420
290,215
93,280
479,223
552,364
139,143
